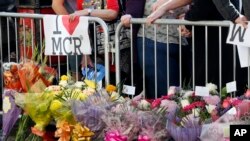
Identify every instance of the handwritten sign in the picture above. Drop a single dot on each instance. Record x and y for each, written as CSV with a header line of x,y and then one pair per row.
x,y
65,37
238,35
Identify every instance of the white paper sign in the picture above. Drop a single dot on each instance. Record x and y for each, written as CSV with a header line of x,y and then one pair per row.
x,y
130,90
65,37
244,53
231,87
201,91
238,35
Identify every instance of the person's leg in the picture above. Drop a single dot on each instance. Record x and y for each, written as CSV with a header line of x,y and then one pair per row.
x,y
149,65
74,66
161,66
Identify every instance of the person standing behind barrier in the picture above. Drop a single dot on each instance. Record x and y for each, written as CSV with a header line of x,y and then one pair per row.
x,y
135,9
206,10
173,41
65,7
109,12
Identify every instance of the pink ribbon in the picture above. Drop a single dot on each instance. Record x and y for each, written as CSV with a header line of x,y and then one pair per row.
x,y
143,138
115,136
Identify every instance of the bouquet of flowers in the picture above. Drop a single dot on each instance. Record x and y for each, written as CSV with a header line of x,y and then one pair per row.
x,y
121,123
191,113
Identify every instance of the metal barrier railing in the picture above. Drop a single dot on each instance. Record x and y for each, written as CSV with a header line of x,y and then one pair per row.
x,y
193,25
30,28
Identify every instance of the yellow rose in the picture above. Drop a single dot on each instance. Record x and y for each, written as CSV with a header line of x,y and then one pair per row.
x,y
55,105
64,77
90,83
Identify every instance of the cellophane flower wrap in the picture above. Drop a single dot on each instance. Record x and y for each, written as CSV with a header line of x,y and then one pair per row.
x,y
89,111
11,111
36,105
121,123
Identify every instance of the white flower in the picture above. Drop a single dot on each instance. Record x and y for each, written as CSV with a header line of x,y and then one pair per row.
x,y
187,94
63,83
172,90
79,84
114,96
212,88
144,105
184,103
210,108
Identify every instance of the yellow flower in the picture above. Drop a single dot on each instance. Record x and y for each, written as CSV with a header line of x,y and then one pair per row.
x,y
55,105
81,133
90,83
64,77
110,88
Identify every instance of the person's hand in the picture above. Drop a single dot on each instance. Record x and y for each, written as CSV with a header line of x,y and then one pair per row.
x,y
86,60
184,31
125,20
155,15
242,20
77,13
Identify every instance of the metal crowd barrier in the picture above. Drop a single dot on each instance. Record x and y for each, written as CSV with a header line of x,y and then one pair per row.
x,y
193,25
29,28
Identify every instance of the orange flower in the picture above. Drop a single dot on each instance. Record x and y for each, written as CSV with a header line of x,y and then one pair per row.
x,y
110,88
63,131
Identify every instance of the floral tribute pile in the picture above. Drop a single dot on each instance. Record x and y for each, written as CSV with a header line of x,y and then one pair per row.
x,y
79,111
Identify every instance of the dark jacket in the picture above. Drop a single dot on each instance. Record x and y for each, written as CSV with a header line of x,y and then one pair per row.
x,y
203,10
246,8
227,9
136,9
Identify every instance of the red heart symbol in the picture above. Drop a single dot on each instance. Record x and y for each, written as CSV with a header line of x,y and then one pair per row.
x,y
70,26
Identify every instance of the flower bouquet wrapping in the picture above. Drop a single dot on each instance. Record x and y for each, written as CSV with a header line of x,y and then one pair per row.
x,y
89,111
121,123
190,130
11,111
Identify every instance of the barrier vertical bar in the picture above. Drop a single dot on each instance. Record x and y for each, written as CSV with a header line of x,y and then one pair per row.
x,y
193,57
180,59
220,59
155,57
16,33
167,58
206,55
132,54
8,37
143,60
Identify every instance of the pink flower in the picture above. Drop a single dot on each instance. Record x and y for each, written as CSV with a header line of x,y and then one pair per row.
x,y
226,103
247,93
212,100
156,103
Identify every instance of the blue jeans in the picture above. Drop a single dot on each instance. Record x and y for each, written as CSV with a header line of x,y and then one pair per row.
x,y
161,66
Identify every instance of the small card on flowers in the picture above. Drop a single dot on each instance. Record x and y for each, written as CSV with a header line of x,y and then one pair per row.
x,y
130,90
231,87
201,91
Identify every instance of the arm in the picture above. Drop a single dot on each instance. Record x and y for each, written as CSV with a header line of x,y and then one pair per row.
x,y
105,14
58,7
135,9
226,9
167,6
229,12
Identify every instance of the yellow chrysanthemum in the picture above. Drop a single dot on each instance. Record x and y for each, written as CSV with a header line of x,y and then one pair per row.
x,y
64,77
90,83
110,88
55,105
